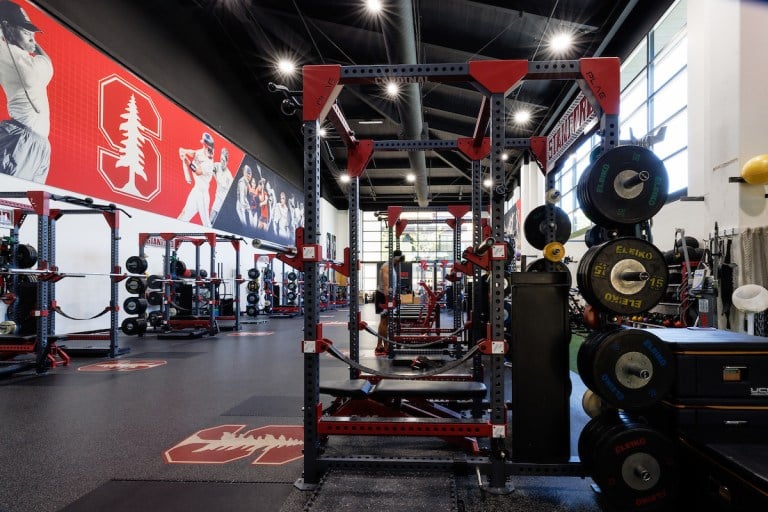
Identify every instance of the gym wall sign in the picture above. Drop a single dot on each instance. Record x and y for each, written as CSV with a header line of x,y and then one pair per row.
x,y
122,365
271,445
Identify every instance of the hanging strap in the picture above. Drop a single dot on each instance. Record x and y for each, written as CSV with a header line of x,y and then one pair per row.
x,y
58,310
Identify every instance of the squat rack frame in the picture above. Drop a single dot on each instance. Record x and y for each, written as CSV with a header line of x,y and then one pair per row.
x,y
39,204
213,280
598,79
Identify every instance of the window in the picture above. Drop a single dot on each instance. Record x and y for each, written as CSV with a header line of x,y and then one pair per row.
x,y
654,93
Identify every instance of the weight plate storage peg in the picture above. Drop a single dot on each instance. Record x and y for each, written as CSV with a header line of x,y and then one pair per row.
x,y
536,226
625,185
628,368
625,276
136,265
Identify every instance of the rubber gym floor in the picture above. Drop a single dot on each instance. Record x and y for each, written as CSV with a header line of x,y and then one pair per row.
x,y
144,435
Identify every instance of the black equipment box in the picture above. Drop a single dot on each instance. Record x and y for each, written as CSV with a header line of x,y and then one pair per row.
x,y
734,476
718,365
541,385
721,421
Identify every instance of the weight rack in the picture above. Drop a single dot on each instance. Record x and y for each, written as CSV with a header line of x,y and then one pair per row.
x,y
174,240
599,81
47,272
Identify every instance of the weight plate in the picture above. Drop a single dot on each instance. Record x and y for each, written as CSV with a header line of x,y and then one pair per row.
x,y
252,286
26,256
625,185
291,276
291,286
135,285
636,468
136,265
625,276
135,305
631,369
253,273
134,326
154,282
252,298
251,310
290,296
155,318
155,298
7,327
203,273
554,251
323,278
536,226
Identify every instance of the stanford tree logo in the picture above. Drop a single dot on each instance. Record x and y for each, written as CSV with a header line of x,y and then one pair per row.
x,y
131,125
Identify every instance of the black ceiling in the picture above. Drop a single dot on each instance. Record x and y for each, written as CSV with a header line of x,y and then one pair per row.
x,y
248,36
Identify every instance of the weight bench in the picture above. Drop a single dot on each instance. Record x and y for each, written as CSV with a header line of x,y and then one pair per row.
x,y
402,408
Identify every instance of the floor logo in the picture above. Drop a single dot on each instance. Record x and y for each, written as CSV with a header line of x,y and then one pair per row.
x,y
131,126
271,445
122,365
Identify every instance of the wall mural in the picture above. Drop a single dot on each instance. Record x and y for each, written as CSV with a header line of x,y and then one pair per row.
x,y
72,118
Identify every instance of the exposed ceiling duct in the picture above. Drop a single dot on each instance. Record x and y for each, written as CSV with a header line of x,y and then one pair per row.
x,y
399,30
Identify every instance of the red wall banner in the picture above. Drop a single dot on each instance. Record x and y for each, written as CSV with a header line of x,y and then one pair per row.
x,y
112,136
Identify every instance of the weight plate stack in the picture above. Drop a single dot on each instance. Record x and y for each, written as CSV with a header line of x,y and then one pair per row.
x,y
625,276
135,305
26,256
154,282
134,326
625,185
535,226
629,369
136,265
135,285
634,464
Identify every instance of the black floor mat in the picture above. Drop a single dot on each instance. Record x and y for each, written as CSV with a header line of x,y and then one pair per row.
x,y
273,406
131,495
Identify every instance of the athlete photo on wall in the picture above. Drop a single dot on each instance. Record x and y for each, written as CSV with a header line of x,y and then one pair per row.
x,y
25,72
258,205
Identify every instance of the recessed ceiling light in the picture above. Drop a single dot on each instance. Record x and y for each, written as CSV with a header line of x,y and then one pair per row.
x,y
392,89
504,157
374,6
286,67
522,117
410,177
345,178
371,121
561,42
322,132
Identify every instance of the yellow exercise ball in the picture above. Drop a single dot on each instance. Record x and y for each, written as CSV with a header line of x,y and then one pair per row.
x,y
755,171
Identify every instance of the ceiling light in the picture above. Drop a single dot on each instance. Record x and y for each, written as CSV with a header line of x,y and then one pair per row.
x,y
286,67
322,132
522,117
345,178
504,157
561,42
371,121
487,182
410,177
374,6
392,89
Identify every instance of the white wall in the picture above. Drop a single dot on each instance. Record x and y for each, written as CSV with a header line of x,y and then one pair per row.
x,y
83,245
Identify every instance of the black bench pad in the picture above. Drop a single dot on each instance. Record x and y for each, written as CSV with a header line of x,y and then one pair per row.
x,y
447,390
356,388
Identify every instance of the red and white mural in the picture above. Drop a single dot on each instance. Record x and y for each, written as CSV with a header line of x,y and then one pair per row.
x,y
73,118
